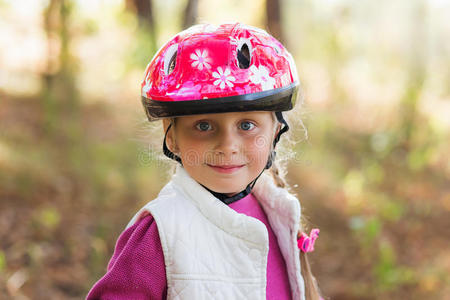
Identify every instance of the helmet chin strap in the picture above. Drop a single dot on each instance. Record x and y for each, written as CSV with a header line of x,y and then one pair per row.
x,y
223,197
166,150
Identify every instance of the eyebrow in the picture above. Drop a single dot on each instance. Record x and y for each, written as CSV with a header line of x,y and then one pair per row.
x,y
210,117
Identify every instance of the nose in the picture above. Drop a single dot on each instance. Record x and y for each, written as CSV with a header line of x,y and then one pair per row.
x,y
227,142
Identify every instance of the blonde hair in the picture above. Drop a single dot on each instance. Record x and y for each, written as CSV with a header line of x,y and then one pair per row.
x,y
312,291
278,172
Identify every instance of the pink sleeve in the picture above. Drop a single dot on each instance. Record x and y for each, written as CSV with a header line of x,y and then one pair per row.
x,y
136,269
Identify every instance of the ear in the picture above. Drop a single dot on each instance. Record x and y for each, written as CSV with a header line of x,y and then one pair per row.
x,y
277,129
170,139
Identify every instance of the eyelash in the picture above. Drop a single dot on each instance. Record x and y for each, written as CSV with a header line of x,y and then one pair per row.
x,y
251,123
197,126
202,122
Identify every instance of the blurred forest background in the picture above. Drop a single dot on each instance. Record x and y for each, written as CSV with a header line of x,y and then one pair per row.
x,y
76,160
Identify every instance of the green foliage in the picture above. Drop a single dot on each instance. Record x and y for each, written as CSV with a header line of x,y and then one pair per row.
x,y
2,261
142,50
367,230
387,273
49,217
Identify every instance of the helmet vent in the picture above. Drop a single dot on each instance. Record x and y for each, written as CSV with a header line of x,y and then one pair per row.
x,y
243,57
170,59
172,63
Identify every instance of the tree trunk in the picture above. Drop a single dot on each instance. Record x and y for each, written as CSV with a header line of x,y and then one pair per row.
x,y
273,19
190,13
417,73
146,20
59,95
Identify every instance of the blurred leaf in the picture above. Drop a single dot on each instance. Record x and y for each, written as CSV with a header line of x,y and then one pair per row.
x,y
141,52
372,228
366,228
419,158
90,27
353,183
374,172
49,217
379,141
2,261
389,274
392,210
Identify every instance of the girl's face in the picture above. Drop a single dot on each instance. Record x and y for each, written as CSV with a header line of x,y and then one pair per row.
x,y
225,151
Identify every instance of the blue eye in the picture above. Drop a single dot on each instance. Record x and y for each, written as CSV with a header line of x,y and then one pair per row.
x,y
203,126
247,125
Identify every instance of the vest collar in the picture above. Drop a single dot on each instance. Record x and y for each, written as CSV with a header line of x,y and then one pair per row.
x,y
218,213
275,201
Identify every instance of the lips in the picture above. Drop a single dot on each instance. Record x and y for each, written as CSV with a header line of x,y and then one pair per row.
x,y
228,169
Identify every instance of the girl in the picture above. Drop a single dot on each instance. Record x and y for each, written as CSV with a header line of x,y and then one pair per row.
x,y
221,228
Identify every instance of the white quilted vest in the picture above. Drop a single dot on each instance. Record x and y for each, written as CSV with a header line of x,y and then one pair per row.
x,y
213,252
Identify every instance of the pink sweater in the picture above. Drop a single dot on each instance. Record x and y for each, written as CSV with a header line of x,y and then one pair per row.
x,y
136,269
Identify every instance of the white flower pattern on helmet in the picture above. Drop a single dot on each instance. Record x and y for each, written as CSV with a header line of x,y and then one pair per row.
x,y
261,76
148,85
223,77
201,60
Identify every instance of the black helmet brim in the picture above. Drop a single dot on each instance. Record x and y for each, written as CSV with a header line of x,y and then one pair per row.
x,y
281,99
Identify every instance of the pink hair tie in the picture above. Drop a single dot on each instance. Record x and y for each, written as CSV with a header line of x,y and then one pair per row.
x,y
305,242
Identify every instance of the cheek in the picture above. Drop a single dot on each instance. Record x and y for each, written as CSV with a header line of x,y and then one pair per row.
x,y
192,152
257,150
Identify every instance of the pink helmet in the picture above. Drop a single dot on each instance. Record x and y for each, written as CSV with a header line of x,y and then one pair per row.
x,y
208,69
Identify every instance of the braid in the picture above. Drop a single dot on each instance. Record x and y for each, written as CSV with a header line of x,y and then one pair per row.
x,y
312,291
277,177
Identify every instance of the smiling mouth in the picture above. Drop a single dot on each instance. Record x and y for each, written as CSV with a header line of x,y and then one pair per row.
x,y
228,169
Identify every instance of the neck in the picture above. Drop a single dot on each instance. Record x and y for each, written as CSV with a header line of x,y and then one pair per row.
x,y
230,198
